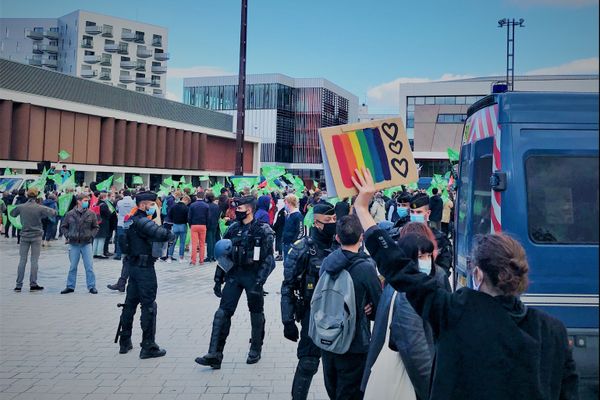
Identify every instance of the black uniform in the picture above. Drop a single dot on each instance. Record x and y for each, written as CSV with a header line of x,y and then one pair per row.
x,y
301,273
138,242
253,263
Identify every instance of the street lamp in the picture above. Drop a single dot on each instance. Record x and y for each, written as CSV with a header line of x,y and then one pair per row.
x,y
510,47
241,94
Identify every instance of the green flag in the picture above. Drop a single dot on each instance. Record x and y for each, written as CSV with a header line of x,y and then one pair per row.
x,y
298,183
412,186
64,201
453,155
7,171
110,206
14,221
164,190
217,188
69,182
222,226
309,219
272,171
169,182
182,179
105,184
63,154
119,179
137,180
204,178
241,183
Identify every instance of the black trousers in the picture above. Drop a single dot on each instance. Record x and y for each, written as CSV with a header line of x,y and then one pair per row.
x,y
308,361
241,280
141,290
343,374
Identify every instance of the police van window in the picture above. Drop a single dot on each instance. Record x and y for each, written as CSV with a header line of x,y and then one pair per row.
x,y
464,193
482,196
562,199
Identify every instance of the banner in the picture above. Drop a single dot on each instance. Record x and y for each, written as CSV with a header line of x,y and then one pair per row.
x,y
272,171
380,146
14,221
64,201
137,180
105,184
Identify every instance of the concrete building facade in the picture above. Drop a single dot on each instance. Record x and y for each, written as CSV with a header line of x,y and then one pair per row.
x,y
119,52
285,113
108,130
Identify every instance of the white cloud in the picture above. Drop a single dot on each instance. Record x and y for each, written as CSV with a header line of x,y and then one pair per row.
x,y
386,96
555,3
581,66
198,70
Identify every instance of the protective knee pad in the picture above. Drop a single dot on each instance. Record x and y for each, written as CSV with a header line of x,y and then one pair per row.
x,y
221,314
308,365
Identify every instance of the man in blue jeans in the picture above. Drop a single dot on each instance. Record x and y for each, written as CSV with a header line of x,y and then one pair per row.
x,y
79,227
178,215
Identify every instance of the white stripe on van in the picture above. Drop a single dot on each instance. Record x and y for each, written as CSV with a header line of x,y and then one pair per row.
x,y
573,300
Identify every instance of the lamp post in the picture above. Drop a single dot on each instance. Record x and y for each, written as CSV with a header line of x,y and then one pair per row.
x,y
510,48
241,94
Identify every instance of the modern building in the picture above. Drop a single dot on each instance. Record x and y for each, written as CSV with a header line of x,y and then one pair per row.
x,y
108,130
285,113
365,116
434,112
119,52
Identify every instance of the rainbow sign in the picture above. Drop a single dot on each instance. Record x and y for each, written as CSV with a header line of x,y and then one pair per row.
x,y
379,146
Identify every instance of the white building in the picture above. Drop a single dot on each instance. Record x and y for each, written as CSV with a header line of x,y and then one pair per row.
x,y
365,116
119,52
434,112
284,112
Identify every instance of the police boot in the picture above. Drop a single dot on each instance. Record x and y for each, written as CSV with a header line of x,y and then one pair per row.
x,y
148,321
307,368
220,331
125,342
257,336
126,325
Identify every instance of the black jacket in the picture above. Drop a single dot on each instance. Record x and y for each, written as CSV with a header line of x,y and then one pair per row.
x,y
198,213
436,205
214,213
104,222
485,344
367,290
178,214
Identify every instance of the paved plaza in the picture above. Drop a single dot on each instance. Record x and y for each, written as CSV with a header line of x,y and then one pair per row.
x,y
55,346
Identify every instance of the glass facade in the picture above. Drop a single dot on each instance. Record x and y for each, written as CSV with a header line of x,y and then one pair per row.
x,y
300,114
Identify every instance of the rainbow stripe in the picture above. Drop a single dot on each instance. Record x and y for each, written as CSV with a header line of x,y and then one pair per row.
x,y
362,148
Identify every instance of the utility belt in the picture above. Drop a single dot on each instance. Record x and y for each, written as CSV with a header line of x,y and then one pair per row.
x,y
143,261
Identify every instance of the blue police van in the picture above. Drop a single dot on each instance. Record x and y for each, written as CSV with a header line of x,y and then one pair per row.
x,y
529,167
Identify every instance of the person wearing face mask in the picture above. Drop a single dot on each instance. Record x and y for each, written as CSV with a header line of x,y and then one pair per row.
x,y
301,268
398,213
490,345
138,243
79,227
293,228
419,212
253,262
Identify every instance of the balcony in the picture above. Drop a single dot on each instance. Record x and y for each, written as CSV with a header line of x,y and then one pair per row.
x,y
126,79
51,34
161,56
123,49
87,44
34,34
37,48
88,73
111,47
107,31
35,61
143,81
49,48
93,29
91,59
159,69
49,62
127,64
157,92
140,66
144,53
157,42
106,61
155,83
139,38
105,76
128,36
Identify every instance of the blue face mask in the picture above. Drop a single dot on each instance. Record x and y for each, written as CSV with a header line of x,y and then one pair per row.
x,y
417,218
85,204
151,211
402,212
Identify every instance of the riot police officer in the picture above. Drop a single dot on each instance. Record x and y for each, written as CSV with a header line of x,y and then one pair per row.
x,y
252,262
301,273
140,239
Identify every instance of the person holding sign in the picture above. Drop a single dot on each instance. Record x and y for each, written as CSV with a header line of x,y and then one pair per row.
x,y
31,214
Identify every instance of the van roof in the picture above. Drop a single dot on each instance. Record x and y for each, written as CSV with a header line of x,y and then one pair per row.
x,y
542,107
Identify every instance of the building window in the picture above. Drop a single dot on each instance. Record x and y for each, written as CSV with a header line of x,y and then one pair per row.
x,y
157,40
451,118
140,89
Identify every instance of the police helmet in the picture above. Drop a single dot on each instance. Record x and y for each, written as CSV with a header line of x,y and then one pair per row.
x,y
223,251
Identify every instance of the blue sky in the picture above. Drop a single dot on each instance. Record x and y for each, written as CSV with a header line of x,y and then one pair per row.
x,y
367,47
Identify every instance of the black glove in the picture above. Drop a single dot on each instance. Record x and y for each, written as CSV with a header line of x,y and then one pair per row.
x,y
217,289
290,331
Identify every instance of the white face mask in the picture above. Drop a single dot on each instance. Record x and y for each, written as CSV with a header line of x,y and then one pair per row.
x,y
425,266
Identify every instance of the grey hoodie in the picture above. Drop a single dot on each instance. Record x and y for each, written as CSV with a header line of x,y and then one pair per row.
x,y
367,290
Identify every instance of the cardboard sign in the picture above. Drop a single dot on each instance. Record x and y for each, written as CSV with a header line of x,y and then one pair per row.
x,y
380,146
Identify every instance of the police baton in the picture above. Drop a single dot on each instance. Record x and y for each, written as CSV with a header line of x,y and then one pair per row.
x,y
120,325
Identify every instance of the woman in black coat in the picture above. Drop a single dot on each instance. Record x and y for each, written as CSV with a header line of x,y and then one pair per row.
x,y
489,344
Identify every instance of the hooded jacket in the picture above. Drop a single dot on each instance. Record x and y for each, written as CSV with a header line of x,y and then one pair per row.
x,y
262,209
367,290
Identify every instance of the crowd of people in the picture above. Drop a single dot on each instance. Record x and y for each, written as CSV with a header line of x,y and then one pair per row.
x,y
366,278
